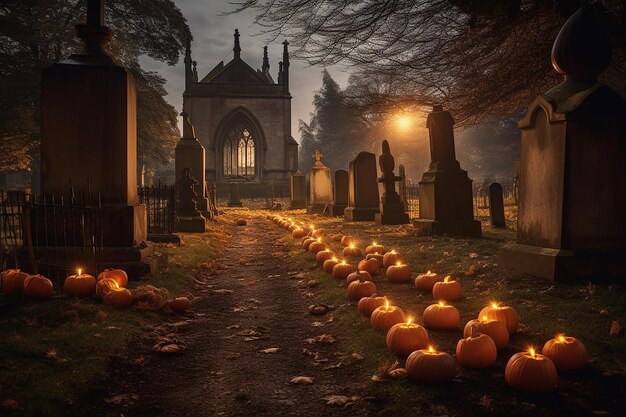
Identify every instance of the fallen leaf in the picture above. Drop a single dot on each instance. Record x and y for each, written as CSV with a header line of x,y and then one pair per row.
x,y
51,354
302,380
341,400
270,350
222,291
485,401
616,328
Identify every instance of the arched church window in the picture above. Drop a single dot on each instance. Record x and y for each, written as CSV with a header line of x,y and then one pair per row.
x,y
239,152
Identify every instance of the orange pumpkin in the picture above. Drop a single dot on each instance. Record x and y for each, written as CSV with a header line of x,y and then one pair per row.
x,y
476,351
360,288
375,248
329,265
317,246
367,305
429,365
104,286
118,275
441,316
398,273
530,371
376,256
496,330
370,265
80,285
352,251
384,317
347,240
448,290
404,338
38,286
317,233
118,297
179,304
427,281
13,281
358,275
299,232
293,227
342,270
306,243
505,314
391,258
337,237
323,256
566,352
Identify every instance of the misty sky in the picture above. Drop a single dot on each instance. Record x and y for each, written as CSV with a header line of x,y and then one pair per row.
x,y
213,42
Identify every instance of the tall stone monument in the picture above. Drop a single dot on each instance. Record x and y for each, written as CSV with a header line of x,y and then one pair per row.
x,y
445,191
571,221
189,153
321,186
341,193
362,189
88,134
496,206
391,207
189,219
298,191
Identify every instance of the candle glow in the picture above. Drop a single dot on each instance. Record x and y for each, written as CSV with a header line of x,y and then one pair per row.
x,y
79,271
531,350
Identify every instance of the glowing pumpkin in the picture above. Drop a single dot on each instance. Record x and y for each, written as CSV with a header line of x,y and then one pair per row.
x,y
448,290
329,265
505,314
118,297
358,275
104,286
384,317
370,265
118,275
566,352
427,281
359,289
374,248
391,258
530,371
342,270
367,305
352,251
441,316
429,365
404,338
476,351
80,285
323,256
398,273
496,330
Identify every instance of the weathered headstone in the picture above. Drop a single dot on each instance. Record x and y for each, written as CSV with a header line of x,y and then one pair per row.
x,y
341,193
233,195
88,135
403,193
298,191
320,186
391,206
189,153
445,192
571,219
362,189
496,206
189,218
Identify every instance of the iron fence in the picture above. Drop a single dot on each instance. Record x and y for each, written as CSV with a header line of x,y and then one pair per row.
x,y
412,200
160,201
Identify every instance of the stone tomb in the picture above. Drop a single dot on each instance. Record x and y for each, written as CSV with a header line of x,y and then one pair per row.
x,y
445,191
496,206
572,211
341,193
298,191
189,153
362,189
233,195
320,186
391,206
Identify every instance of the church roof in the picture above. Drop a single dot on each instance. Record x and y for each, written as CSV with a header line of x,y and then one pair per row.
x,y
236,71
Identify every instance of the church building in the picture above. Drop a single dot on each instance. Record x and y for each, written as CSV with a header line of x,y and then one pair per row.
x,y
242,117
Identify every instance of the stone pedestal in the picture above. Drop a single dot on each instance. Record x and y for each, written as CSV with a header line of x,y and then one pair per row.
x,y
298,191
321,187
341,193
189,219
571,223
233,195
445,191
362,189
391,206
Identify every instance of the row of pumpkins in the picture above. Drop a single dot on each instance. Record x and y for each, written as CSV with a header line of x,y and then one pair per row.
x,y
483,337
109,286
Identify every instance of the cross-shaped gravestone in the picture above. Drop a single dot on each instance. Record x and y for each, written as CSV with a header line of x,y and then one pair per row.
x,y
318,157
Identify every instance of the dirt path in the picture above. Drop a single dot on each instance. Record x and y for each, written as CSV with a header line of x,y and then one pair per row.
x,y
257,302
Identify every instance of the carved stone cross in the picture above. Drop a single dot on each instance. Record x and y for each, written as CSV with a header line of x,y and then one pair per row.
x,y
318,156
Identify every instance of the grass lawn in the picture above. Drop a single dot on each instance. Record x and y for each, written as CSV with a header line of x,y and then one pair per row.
x,y
52,351
545,308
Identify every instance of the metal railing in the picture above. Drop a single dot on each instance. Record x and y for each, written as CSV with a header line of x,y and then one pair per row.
x,y
160,201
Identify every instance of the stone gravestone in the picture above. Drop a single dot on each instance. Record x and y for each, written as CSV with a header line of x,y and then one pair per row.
x,y
496,206
88,136
571,221
341,193
445,191
189,153
403,193
189,218
320,186
362,189
391,206
233,195
298,191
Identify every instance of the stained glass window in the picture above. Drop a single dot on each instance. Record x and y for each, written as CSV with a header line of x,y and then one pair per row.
x,y
239,152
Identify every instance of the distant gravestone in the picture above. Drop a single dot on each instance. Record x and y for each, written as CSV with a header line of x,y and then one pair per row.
x,y
298,191
321,186
571,222
189,218
391,206
496,206
362,189
233,195
403,192
445,192
341,193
